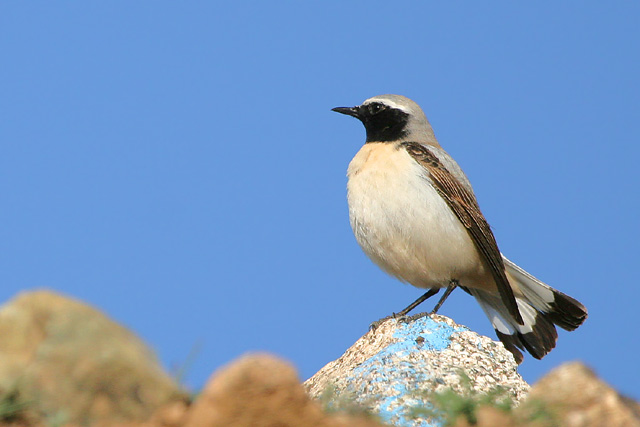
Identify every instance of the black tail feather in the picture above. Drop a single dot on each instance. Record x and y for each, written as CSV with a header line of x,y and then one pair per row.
x,y
566,312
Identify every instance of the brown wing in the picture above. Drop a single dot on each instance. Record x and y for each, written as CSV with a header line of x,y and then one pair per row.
x,y
463,203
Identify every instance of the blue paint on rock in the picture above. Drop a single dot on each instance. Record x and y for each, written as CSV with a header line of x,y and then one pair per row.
x,y
384,371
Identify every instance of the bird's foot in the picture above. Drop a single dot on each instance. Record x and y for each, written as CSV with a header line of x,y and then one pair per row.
x,y
399,317
417,316
375,325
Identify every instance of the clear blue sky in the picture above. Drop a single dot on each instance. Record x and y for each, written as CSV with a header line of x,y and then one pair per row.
x,y
177,165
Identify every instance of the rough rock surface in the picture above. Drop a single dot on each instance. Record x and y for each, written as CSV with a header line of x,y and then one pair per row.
x,y
579,399
73,364
390,369
262,391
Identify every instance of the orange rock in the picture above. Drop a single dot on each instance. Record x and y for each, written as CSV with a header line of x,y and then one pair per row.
x,y
578,398
73,364
171,415
260,390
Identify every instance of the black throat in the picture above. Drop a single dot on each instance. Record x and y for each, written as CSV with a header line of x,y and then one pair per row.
x,y
385,126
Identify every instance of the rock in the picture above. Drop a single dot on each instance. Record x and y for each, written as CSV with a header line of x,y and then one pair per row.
x,y
569,396
261,391
173,414
574,395
75,365
391,369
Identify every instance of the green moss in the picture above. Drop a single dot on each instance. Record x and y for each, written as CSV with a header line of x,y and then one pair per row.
x,y
448,405
332,402
12,407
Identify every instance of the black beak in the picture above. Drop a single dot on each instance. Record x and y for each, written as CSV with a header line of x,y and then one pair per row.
x,y
349,111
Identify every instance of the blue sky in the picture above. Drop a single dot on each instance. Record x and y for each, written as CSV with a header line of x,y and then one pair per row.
x,y
177,165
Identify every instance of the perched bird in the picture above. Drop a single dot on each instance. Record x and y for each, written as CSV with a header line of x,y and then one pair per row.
x,y
413,212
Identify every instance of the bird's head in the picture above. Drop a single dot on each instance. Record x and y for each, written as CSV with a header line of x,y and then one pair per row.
x,y
390,118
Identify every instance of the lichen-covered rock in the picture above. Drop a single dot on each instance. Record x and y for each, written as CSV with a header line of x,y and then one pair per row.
x,y
72,364
391,369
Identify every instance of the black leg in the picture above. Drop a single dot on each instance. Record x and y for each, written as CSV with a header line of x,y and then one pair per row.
x,y
452,285
431,292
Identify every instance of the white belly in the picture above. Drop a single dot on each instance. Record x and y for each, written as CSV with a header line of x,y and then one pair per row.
x,y
403,224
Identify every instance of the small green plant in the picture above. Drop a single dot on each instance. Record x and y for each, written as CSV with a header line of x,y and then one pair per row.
x,y
181,371
448,405
333,402
538,412
12,408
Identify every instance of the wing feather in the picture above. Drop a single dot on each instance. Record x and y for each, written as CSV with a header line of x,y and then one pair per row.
x,y
463,203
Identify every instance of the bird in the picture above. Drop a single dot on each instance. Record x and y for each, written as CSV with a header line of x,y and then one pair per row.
x,y
414,214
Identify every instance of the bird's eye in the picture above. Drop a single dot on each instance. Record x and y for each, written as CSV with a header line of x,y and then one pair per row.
x,y
375,108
